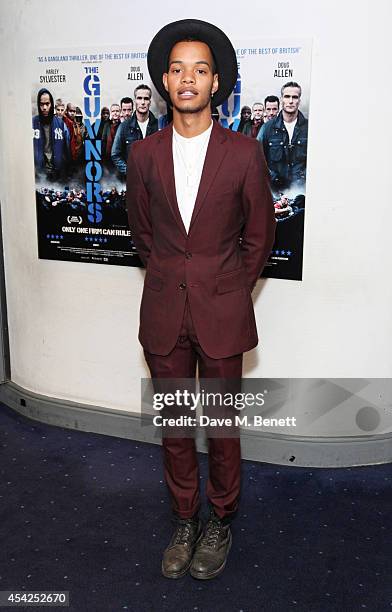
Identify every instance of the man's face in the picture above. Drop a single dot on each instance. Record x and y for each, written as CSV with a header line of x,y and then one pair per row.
x,y
45,105
71,110
257,111
290,99
246,114
126,109
271,110
142,101
60,108
115,112
190,81
105,114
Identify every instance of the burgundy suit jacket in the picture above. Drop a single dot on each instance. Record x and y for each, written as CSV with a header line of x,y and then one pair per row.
x,y
210,264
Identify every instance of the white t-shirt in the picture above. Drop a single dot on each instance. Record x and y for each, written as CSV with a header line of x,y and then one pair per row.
x,y
290,128
143,127
188,159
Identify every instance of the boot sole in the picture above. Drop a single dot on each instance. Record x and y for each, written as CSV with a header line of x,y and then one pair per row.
x,y
215,573
175,575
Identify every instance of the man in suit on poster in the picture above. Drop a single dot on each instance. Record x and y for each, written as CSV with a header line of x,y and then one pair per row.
x,y
202,219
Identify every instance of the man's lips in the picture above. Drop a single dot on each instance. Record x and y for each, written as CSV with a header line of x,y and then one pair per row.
x,y
187,93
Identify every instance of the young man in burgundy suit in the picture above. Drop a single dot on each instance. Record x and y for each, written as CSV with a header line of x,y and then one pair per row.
x,y
202,219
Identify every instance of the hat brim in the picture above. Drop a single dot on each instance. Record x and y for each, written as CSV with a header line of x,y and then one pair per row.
x,y
219,43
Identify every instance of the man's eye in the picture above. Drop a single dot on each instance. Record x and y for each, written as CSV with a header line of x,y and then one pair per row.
x,y
201,71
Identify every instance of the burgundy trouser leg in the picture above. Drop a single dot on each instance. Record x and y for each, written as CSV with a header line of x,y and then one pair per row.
x,y
224,454
180,457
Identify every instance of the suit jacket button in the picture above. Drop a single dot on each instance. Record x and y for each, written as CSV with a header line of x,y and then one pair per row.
x,y
188,255
182,286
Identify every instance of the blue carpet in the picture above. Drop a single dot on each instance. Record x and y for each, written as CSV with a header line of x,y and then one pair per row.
x,y
90,514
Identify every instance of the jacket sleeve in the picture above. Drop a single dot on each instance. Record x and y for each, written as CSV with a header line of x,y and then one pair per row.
x,y
263,137
138,209
117,149
259,229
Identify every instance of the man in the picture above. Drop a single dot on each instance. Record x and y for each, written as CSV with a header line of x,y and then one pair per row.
x,y
245,117
126,108
59,107
142,123
80,134
105,116
285,141
49,137
143,102
202,220
109,133
252,127
271,109
69,115
77,132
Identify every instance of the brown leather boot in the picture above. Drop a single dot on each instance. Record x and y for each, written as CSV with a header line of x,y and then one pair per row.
x,y
211,552
177,556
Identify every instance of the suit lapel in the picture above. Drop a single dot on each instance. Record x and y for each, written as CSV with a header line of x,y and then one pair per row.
x,y
214,157
164,159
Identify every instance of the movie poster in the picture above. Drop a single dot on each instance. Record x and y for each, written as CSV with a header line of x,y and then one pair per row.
x,y
81,102
279,120
85,106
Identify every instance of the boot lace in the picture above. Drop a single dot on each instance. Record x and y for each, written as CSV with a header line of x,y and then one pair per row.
x,y
212,533
183,533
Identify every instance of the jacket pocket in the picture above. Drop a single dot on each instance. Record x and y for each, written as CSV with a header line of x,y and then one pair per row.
x,y
301,149
153,280
276,150
231,281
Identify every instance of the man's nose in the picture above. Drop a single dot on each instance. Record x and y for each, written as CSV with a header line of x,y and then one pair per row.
x,y
188,76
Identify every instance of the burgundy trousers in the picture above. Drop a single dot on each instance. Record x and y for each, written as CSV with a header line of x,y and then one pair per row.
x,y
181,467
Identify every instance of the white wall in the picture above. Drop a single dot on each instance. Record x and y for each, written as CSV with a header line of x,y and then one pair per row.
x,y
73,326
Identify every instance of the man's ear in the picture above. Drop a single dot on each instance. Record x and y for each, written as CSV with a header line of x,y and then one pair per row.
x,y
215,84
164,81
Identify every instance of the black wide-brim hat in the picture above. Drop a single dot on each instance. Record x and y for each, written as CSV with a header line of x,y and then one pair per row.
x,y
219,44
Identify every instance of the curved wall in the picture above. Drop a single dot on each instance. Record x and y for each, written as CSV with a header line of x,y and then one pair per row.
x,y
73,326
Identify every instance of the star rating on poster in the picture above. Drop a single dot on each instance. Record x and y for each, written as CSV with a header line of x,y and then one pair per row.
x,y
95,239
87,238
